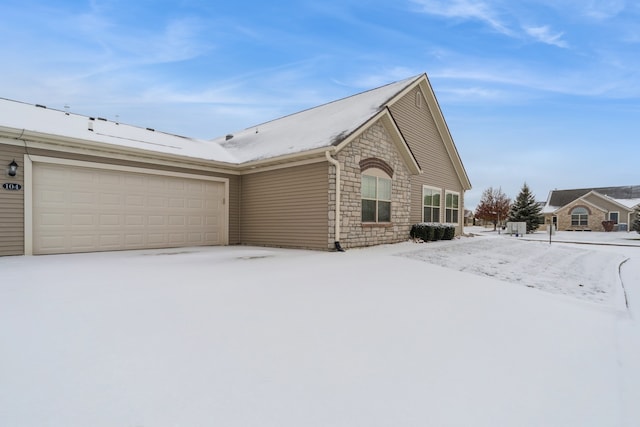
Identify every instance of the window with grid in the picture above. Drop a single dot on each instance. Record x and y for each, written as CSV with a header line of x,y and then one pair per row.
x,y
452,203
430,204
614,216
579,217
376,199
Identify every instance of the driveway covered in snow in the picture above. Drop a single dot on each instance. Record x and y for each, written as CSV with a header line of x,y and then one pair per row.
x,y
481,331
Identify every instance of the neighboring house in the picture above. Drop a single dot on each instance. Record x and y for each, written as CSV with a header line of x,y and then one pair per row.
x,y
354,172
469,218
585,209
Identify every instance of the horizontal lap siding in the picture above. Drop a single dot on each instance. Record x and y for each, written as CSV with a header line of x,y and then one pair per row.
x,y
419,129
608,206
11,203
286,207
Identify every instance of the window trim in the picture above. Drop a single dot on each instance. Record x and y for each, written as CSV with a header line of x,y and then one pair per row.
x,y
457,209
617,214
439,191
581,217
378,174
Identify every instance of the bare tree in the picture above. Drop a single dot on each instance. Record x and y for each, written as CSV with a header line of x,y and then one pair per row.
x,y
494,206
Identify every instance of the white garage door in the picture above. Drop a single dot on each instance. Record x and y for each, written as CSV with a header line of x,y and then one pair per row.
x,y
81,209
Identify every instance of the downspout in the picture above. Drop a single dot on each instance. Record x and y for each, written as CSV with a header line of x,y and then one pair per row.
x,y
336,163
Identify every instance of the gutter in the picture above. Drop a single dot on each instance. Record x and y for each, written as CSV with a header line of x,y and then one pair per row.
x,y
336,163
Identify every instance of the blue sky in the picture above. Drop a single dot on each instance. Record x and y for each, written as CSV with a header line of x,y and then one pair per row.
x,y
545,92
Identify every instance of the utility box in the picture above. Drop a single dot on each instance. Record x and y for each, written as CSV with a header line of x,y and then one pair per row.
x,y
517,228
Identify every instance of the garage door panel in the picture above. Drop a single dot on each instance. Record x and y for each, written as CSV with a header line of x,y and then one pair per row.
x,y
177,220
109,220
195,221
134,220
110,199
137,200
84,241
53,219
157,202
80,198
176,202
85,177
77,209
134,240
53,197
110,241
83,220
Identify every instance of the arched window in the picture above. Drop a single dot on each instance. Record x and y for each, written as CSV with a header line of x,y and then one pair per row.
x,y
579,217
376,196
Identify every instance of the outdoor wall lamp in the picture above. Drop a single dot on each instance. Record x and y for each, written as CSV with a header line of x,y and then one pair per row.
x,y
13,168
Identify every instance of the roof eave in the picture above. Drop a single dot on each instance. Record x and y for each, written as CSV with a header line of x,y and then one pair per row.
x,y
64,143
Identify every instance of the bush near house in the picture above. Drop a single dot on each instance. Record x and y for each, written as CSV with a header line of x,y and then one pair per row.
x,y
608,225
430,232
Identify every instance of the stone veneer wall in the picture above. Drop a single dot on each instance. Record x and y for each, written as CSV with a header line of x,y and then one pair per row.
x,y
594,221
374,142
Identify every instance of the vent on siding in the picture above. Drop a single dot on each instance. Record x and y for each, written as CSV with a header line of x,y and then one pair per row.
x,y
418,99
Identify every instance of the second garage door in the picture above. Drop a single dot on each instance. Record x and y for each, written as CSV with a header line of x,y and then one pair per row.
x,y
84,209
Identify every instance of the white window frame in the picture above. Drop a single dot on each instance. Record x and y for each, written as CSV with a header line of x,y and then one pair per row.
x,y
439,191
456,209
581,219
378,174
617,214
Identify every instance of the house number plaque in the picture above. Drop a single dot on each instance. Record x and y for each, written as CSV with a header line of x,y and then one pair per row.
x,y
11,186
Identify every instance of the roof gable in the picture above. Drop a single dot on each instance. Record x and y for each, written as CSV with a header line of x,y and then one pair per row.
x,y
396,136
558,198
580,201
441,125
588,199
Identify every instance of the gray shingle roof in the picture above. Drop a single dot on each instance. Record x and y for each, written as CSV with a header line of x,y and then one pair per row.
x,y
560,198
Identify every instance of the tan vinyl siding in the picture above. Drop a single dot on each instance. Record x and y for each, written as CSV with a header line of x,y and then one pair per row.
x,y
286,207
608,206
419,129
11,203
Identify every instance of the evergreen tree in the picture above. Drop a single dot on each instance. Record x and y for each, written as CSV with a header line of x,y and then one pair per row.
x,y
493,206
526,209
636,222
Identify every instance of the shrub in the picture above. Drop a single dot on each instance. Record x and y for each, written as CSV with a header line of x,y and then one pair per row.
x,y
429,232
608,225
439,231
449,232
422,231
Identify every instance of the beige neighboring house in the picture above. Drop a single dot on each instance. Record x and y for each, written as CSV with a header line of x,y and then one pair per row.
x,y
585,209
351,173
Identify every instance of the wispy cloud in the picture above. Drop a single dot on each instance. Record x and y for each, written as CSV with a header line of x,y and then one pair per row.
x,y
602,9
492,14
545,35
465,10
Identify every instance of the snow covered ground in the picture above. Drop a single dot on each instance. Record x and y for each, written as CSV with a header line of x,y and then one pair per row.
x,y
480,331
